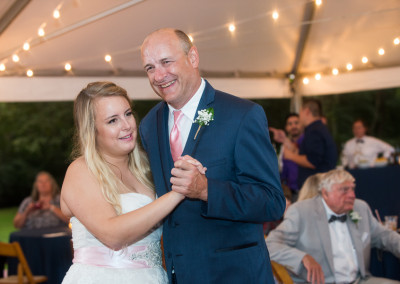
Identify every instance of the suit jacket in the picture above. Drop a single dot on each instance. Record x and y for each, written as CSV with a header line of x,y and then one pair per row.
x,y
305,230
219,241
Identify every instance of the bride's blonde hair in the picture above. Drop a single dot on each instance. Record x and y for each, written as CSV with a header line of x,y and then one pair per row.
x,y
86,145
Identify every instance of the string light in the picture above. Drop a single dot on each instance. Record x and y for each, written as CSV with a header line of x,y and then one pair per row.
x,y
56,14
15,58
232,28
364,60
381,51
275,15
67,67
191,38
318,76
29,73
2,67
107,58
306,81
396,41
349,66
335,71
318,2
26,46
41,32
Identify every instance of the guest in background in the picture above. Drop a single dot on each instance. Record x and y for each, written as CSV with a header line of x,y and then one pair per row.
x,y
42,208
328,238
363,149
288,168
317,152
310,187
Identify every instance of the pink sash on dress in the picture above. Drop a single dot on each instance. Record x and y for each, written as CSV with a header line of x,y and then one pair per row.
x,y
105,257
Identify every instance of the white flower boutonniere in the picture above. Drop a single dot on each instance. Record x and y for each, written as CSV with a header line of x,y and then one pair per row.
x,y
204,117
354,216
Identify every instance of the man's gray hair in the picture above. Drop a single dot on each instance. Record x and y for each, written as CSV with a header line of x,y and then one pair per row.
x,y
333,177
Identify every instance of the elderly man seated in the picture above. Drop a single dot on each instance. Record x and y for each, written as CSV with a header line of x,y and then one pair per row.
x,y
328,238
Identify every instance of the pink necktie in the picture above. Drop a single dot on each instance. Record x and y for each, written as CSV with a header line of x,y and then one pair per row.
x,y
175,140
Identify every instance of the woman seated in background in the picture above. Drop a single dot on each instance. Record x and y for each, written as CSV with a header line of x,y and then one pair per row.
x,y
42,208
310,187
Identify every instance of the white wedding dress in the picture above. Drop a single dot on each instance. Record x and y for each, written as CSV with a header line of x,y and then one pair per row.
x,y
93,262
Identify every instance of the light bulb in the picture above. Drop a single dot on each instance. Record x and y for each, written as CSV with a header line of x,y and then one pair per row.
x,y
2,67
349,66
306,81
26,46
318,76
381,51
56,14
41,32
318,2
232,28
275,15
15,58
67,67
335,71
396,41
107,58
29,73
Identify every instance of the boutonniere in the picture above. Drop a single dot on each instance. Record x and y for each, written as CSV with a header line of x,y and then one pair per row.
x,y
354,216
204,117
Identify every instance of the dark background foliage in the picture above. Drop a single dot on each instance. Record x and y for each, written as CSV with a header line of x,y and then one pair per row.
x,y
38,136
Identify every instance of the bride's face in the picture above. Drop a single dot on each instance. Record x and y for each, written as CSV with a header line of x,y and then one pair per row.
x,y
116,129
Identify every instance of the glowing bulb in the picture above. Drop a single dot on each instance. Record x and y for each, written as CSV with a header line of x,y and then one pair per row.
x,y
191,38
29,73
306,81
318,76
26,46
232,28
275,15
349,66
292,76
15,58
396,41
56,14
364,60
107,58
318,2
41,32
2,67
335,71
381,51
67,67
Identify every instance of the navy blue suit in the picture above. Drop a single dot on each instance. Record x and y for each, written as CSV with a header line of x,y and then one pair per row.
x,y
219,241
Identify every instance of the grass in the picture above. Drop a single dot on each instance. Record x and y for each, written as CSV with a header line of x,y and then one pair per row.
x,y
6,222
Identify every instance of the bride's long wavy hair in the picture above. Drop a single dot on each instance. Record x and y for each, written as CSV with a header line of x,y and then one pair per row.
x,y
86,145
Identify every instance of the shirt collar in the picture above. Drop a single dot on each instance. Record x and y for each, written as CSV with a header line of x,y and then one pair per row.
x,y
189,109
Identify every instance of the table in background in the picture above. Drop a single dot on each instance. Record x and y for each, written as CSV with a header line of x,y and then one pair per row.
x,y
48,252
380,188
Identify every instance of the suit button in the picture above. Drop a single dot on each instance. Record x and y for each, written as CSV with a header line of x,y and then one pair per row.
x,y
176,224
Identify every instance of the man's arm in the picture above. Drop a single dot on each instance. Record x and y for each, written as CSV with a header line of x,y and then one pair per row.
x,y
301,160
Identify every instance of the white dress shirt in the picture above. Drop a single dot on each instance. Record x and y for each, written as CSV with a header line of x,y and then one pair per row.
x,y
189,112
364,151
344,254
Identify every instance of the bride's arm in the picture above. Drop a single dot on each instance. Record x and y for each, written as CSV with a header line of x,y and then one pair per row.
x,y
81,197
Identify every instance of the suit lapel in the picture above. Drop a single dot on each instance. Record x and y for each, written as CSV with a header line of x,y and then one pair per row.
x,y
191,144
323,230
355,235
163,144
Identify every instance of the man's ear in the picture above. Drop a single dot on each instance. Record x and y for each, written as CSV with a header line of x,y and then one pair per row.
x,y
193,56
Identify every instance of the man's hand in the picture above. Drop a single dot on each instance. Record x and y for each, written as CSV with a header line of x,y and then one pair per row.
x,y
314,270
279,135
188,178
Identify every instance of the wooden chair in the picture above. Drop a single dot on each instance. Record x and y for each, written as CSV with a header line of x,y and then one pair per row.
x,y
24,272
280,273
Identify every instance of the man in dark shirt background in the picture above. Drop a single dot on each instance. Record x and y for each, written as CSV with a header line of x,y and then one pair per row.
x,y
317,152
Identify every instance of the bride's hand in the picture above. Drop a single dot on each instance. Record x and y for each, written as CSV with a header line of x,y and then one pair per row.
x,y
194,162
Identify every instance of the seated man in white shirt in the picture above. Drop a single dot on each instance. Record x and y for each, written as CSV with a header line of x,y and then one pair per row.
x,y
328,239
362,150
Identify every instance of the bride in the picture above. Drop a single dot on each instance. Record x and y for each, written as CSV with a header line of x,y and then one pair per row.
x,y
109,194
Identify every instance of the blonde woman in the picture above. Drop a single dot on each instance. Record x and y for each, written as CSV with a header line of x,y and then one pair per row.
x,y
310,187
109,194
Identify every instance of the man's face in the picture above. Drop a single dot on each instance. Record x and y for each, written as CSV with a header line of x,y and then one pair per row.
x,y
359,129
173,75
341,197
292,126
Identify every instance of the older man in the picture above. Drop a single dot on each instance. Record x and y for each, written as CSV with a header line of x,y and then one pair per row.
x,y
329,238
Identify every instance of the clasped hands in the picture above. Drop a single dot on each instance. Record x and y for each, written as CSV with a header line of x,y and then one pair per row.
x,y
188,178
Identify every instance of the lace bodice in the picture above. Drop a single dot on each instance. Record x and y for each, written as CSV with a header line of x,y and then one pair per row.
x,y
147,251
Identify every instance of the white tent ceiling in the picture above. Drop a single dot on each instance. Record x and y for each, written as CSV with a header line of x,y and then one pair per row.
x,y
253,61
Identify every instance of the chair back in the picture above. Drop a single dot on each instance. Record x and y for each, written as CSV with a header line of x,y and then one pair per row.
x,y
280,273
24,272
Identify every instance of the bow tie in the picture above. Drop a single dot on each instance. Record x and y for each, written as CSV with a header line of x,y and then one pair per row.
x,y
359,140
338,218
